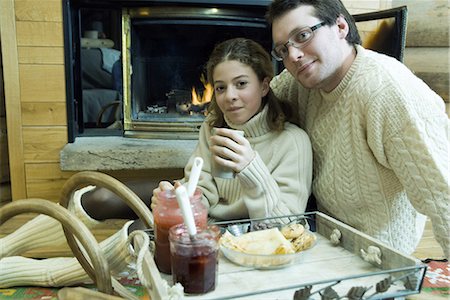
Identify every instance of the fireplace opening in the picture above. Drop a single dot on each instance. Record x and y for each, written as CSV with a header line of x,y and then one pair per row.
x,y
155,83
168,94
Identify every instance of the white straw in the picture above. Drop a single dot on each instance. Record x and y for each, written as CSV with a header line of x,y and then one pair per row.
x,y
194,176
186,211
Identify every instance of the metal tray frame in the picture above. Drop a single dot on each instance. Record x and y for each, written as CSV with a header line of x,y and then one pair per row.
x,y
408,271
401,275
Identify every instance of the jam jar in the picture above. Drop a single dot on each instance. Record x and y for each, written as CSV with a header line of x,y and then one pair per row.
x,y
166,214
195,258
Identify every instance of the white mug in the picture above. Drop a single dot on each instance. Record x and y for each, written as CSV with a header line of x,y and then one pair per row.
x,y
219,170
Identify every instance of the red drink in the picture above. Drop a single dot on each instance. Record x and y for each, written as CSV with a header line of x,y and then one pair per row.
x,y
167,214
194,260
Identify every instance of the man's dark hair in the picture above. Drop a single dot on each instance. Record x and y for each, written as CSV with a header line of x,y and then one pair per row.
x,y
325,10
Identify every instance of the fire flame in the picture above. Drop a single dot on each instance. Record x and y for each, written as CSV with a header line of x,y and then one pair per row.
x,y
196,99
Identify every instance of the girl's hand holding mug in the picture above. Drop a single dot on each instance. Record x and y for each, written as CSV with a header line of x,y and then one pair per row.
x,y
230,152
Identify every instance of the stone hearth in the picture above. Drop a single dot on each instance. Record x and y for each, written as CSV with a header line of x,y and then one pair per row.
x,y
119,153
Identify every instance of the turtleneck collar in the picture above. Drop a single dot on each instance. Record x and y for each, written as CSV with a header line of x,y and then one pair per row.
x,y
254,127
337,92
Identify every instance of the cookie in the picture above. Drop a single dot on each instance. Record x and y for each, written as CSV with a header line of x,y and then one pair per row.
x,y
292,231
303,242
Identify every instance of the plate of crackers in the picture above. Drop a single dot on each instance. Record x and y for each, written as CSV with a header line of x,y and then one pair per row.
x,y
266,245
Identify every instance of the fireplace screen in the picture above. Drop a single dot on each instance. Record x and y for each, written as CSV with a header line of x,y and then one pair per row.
x,y
165,92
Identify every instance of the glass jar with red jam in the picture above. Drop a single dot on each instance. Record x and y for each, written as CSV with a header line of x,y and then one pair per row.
x,y
166,214
195,258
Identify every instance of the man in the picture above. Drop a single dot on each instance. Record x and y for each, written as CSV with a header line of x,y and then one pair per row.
x,y
379,134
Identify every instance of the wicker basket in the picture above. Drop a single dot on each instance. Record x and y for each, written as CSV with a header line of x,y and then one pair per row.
x,y
95,264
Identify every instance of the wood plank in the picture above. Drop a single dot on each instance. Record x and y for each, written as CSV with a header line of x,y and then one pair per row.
x,y
439,82
45,171
12,98
33,87
435,72
41,55
31,33
42,10
427,22
428,246
43,144
44,113
436,58
364,5
51,171
45,189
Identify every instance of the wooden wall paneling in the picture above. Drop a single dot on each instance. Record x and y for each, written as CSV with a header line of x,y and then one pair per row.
x,y
427,42
43,144
42,83
45,189
42,10
41,55
43,99
39,33
428,22
366,29
12,98
45,180
356,7
435,72
46,171
44,114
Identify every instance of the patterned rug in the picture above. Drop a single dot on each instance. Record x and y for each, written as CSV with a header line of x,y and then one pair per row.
x,y
436,283
35,293
437,279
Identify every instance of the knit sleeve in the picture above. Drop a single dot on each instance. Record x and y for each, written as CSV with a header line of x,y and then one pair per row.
x,y
416,147
285,186
420,158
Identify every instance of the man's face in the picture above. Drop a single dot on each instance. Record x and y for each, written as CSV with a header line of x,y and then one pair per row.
x,y
318,63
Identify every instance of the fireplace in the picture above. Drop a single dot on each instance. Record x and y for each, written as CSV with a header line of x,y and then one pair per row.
x,y
161,48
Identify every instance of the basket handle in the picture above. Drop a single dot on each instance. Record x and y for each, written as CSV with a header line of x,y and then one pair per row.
x,y
73,228
99,179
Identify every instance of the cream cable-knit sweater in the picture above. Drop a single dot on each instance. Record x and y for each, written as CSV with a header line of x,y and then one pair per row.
x,y
276,182
381,150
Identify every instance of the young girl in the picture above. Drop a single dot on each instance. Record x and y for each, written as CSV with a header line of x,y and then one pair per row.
x,y
272,162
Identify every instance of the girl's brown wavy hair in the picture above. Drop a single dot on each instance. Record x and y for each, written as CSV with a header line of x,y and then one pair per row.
x,y
252,54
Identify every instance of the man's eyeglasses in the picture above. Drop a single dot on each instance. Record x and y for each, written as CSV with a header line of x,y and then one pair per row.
x,y
297,39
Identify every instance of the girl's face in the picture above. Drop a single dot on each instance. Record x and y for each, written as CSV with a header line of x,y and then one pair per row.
x,y
238,91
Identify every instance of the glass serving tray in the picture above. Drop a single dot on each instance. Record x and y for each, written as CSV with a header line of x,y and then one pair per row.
x,y
334,268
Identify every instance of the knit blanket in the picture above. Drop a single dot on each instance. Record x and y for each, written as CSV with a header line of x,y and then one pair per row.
x,y
436,283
